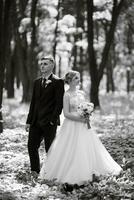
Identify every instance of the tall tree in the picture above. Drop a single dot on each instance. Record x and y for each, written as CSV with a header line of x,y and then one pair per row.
x,y
32,62
79,6
56,28
10,73
5,7
1,63
25,52
96,72
20,50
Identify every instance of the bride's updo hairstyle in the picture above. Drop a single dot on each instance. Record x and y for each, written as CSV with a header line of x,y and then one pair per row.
x,y
70,75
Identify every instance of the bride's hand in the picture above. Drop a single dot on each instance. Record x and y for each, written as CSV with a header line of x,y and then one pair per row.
x,y
82,120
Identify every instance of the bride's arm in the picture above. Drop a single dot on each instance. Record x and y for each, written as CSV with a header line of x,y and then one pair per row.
x,y
66,111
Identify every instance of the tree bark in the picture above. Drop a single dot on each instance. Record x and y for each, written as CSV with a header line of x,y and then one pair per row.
x,y
56,31
1,63
109,74
92,57
25,53
31,64
9,79
96,72
77,51
110,36
4,24
20,50
10,75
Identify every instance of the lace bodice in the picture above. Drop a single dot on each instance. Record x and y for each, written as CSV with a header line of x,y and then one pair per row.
x,y
75,99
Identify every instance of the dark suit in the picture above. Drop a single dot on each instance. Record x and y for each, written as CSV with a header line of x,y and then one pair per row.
x,y
46,106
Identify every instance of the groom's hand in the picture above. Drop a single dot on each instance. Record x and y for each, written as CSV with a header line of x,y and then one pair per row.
x,y
27,127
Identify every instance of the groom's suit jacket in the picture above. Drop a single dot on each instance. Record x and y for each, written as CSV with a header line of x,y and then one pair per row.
x,y
47,101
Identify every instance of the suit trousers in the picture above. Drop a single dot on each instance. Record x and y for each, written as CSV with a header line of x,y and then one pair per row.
x,y
36,135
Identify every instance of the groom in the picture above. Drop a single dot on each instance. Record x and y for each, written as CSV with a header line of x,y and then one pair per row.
x,y
45,108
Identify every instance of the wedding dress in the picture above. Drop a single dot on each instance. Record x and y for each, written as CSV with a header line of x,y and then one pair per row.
x,y
77,152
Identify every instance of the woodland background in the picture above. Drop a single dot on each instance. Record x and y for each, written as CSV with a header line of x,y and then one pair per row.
x,y
94,37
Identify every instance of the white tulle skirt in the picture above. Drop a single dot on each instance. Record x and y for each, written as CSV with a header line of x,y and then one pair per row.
x,y
76,154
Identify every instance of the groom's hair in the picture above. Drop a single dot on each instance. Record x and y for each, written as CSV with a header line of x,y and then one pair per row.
x,y
50,58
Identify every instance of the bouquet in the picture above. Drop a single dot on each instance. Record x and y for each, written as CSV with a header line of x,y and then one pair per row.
x,y
85,110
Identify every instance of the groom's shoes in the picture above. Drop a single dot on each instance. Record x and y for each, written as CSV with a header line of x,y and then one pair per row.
x,y
67,187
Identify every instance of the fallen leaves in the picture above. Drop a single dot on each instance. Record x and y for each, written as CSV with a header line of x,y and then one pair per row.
x,y
116,133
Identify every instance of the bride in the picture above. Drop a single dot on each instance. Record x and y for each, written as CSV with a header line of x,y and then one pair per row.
x,y
77,153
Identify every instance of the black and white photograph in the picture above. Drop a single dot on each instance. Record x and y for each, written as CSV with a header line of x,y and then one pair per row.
x,y
66,100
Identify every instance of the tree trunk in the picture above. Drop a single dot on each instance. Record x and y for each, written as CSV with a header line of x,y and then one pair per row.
x,y
1,63
31,64
77,51
110,36
9,70
21,58
20,52
5,7
94,94
59,72
81,67
96,72
107,80
56,31
25,54
92,58
109,69
10,75
74,54
15,68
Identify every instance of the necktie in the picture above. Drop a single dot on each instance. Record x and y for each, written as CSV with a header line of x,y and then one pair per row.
x,y
43,81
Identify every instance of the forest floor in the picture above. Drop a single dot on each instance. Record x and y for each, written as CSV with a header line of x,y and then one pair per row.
x,y
114,125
